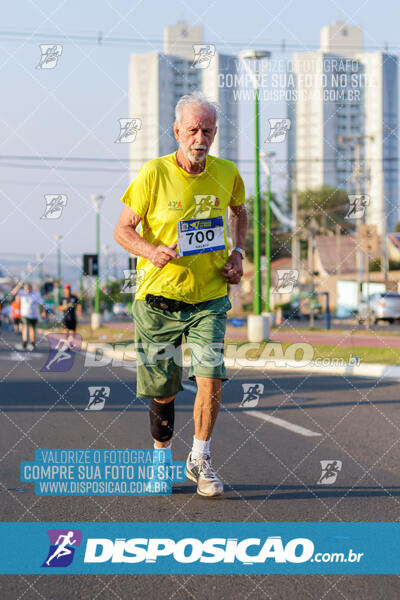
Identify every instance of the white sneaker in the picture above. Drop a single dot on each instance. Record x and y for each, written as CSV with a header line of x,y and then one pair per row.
x,y
201,472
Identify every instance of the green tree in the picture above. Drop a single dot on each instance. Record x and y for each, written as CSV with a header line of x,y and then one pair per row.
x,y
280,240
325,206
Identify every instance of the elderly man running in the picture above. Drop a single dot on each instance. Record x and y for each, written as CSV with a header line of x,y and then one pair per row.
x,y
181,201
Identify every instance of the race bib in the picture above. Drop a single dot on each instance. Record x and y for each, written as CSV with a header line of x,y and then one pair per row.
x,y
197,236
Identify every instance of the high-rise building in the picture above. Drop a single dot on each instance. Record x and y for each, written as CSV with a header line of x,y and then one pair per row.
x,y
345,101
158,80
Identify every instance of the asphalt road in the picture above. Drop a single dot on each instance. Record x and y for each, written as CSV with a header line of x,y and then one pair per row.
x,y
270,469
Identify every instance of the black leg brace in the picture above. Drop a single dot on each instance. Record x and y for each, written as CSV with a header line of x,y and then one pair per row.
x,y
162,416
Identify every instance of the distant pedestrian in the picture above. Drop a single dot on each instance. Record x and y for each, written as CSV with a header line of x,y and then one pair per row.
x,y
30,303
16,314
69,305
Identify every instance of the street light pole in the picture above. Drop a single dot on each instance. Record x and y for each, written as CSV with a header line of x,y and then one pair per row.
x,y
257,210
105,251
268,245
97,199
59,240
267,156
259,334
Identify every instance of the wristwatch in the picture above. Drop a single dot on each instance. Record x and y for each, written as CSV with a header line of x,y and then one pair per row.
x,y
241,251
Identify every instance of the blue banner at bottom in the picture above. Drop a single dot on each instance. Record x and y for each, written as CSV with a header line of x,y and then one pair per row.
x,y
192,548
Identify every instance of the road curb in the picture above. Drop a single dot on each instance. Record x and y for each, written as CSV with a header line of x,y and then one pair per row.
x,y
371,370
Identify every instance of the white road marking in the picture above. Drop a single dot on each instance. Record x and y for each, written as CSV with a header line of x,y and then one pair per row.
x,y
20,356
259,415
282,423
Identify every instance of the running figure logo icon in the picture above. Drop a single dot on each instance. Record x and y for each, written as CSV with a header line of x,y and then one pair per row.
x,y
287,279
203,54
330,470
54,206
251,394
128,130
61,353
50,55
97,397
357,206
204,204
133,279
63,543
278,129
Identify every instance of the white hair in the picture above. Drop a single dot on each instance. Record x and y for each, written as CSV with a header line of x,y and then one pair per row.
x,y
195,99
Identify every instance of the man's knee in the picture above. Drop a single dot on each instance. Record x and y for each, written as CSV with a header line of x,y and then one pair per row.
x,y
162,417
210,387
165,400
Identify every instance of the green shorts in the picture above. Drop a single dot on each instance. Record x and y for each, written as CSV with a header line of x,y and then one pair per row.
x,y
159,337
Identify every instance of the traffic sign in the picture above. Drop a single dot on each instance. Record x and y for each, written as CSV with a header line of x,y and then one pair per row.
x,y
90,264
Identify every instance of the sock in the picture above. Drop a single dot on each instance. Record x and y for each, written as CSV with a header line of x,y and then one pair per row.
x,y
200,448
169,447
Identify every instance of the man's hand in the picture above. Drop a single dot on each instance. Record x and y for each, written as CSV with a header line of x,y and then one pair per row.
x,y
233,270
163,254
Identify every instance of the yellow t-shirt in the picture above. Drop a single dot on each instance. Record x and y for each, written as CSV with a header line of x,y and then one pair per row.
x,y
162,194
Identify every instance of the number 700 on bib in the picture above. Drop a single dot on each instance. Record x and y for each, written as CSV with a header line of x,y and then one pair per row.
x,y
196,236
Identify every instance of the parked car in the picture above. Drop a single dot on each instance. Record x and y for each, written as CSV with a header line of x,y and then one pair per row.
x,y
120,310
383,306
300,306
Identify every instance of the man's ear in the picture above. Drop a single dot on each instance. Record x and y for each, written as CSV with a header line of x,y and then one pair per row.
x,y
176,131
215,133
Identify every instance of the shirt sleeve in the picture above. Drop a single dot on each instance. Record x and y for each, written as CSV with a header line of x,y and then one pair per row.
x,y
139,193
238,194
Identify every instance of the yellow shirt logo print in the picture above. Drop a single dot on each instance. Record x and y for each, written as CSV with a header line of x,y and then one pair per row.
x,y
204,204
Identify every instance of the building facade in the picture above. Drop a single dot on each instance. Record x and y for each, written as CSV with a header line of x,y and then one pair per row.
x,y
158,80
344,102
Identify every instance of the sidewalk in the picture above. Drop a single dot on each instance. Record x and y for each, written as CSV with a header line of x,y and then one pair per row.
x,y
343,339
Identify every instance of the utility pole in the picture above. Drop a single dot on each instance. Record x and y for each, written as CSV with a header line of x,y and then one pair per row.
x,y
97,200
358,177
384,249
295,220
338,250
311,254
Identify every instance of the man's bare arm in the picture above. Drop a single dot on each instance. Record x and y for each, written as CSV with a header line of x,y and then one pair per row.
x,y
233,270
126,235
16,289
238,224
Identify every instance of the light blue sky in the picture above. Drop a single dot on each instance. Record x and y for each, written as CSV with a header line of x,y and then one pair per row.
x,y
73,110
